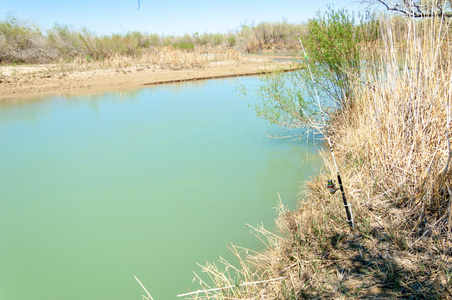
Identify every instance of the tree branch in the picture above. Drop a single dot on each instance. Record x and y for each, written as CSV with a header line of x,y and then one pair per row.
x,y
415,9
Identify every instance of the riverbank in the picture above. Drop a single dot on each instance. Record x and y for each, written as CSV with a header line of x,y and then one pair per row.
x,y
57,79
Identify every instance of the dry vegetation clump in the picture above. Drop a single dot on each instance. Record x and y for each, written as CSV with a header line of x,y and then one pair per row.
x,y
21,41
393,151
398,133
165,58
265,36
179,59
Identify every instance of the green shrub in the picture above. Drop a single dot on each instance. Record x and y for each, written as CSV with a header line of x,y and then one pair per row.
x,y
65,39
184,46
231,41
333,44
333,48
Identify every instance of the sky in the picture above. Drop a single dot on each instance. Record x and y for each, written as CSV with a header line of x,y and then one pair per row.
x,y
174,17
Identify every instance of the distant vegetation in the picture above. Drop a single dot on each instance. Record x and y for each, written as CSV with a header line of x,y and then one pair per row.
x,y
25,42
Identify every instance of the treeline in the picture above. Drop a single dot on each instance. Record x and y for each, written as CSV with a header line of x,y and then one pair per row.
x,y
26,42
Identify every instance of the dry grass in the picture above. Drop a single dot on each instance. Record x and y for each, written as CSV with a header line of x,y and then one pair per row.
x,y
165,58
397,137
393,151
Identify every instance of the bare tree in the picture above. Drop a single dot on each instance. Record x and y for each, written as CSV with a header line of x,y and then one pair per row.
x,y
418,8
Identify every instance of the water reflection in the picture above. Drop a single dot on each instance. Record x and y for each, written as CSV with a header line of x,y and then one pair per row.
x,y
37,105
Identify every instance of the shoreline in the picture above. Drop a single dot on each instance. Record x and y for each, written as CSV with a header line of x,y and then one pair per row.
x,y
21,82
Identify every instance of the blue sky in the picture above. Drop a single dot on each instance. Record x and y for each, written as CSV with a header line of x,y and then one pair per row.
x,y
164,17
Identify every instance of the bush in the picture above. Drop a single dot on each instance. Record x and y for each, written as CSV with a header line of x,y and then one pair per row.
x,y
332,44
184,46
333,47
22,42
66,40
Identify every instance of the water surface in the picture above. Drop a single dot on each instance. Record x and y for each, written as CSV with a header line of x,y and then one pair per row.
x,y
97,189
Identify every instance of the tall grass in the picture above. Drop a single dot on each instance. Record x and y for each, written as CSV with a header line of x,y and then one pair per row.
x,y
402,125
393,149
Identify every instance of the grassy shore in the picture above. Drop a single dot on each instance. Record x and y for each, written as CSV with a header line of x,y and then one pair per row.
x,y
23,82
393,151
65,60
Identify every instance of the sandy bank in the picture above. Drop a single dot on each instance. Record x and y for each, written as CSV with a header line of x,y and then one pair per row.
x,y
37,80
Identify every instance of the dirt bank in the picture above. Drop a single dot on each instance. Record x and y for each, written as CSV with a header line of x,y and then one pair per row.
x,y
53,79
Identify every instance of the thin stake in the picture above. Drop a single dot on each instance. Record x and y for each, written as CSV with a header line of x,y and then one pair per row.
x,y
339,180
229,287
143,287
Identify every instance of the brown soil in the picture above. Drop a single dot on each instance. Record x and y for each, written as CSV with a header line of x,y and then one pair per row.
x,y
42,80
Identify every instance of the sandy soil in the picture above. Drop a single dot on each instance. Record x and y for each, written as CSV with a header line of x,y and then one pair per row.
x,y
42,80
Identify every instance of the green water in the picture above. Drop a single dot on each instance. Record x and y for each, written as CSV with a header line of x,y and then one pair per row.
x,y
97,189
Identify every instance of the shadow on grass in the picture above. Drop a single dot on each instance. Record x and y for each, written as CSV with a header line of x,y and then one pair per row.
x,y
386,268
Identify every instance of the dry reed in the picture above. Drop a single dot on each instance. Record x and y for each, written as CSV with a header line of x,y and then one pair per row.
x,y
164,58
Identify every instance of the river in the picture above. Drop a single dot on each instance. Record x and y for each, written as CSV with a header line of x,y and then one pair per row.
x,y
95,189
